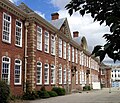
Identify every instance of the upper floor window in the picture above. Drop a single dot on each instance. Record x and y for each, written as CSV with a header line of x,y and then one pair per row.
x,y
64,50
46,73
69,53
60,75
39,73
6,36
46,46
18,71
72,54
6,69
76,56
52,44
39,38
52,74
18,36
60,48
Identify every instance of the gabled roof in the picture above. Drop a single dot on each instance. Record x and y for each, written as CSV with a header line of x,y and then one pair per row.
x,y
58,22
81,41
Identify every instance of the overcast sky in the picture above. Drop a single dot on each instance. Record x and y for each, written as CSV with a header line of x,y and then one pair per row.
x,y
85,25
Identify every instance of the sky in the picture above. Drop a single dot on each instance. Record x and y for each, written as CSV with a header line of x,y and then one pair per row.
x,y
84,25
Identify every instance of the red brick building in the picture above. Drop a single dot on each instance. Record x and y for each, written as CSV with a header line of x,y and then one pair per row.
x,y
36,52
105,76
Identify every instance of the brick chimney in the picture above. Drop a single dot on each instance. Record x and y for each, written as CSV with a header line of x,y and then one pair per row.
x,y
75,34
54,16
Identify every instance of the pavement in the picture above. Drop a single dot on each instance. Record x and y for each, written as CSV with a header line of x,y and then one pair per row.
x,y
106,95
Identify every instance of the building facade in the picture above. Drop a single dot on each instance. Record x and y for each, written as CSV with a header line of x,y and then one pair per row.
x,y
115,76
105,76
35,52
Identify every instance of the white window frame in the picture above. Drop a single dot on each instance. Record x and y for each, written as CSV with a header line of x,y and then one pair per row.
x,y
52,74
76,56
46,41
80,77
52,44
73,54
5,69
69,55
69,76
20,33
60,75
39,73
64,50
8,29
18,71
39,38
46,66
64,76
60,47
76,77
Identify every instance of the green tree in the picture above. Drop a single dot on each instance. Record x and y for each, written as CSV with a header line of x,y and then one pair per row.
x,y
104,11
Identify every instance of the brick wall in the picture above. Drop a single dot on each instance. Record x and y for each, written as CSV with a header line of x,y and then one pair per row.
x,y
13,52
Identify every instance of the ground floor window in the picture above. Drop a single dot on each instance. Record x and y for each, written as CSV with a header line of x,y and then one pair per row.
x,y
46,74
39,73
17,72
6,69
69,76
76,77
64,76
60,75
52,74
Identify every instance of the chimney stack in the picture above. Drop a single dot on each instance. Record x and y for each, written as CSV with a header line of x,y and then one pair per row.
x,y
54,16
75,34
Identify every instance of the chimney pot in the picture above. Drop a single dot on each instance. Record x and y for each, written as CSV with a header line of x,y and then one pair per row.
x,y
54,16
75,34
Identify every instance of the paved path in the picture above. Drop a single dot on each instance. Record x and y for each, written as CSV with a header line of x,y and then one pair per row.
x,y
100,96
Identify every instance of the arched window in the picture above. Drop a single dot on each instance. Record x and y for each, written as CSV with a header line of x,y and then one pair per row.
x,y
52,74
6,69
46,74
18,71
60,75
39,73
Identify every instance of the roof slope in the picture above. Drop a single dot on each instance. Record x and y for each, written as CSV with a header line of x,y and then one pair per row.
x,y
58,22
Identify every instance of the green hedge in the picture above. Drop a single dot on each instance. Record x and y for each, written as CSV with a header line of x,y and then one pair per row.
x,y
4,92
43,94
30,95
85,88
52,93
59,91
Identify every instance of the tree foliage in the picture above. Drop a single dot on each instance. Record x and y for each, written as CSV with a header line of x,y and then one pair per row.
x,y
104,11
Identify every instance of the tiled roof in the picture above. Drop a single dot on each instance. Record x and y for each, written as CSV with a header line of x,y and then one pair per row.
x,y
78,40
58,22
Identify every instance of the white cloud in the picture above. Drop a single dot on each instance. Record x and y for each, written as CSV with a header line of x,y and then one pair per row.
x,y
14,1
60,3
41,14
86,27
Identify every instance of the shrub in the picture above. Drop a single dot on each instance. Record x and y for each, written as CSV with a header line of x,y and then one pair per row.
x,y
4,92
86,88
52,93
43,88
30,95
59,91
43,94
